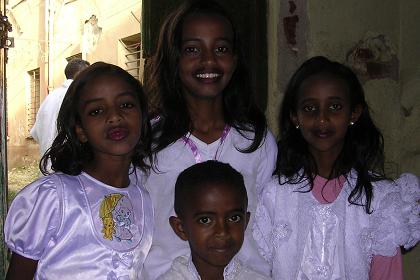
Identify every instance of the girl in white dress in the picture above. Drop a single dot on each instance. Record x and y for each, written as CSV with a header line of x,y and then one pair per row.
x,y
205,111
330,212
91,219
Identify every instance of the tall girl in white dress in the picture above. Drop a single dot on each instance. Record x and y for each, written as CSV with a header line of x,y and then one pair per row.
x,y
206,112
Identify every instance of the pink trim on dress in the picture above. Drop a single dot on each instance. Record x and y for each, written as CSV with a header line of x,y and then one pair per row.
x,y
382,267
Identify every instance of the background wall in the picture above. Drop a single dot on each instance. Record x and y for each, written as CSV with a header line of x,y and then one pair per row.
x,y
46,34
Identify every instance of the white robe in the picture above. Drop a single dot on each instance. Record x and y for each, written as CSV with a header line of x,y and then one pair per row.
x,y
44,130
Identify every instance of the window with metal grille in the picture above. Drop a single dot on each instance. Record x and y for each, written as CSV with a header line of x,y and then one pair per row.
x,y
34,99
131,55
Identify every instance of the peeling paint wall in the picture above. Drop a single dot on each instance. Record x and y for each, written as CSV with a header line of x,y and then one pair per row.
x,y
287,49
380,40
409,142
410,86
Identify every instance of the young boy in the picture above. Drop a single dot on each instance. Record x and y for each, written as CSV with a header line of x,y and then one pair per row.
x,y
211,207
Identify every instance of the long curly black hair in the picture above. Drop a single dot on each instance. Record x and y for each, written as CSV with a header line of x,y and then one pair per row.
x,y
363,148
164,87
67,153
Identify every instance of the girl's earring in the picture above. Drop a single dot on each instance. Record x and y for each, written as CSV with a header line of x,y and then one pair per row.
x,y
351,123
297,126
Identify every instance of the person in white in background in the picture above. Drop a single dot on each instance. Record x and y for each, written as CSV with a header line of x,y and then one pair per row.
x,y
45,128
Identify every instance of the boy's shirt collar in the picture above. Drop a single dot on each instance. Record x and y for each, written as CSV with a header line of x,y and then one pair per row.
x,y
230,272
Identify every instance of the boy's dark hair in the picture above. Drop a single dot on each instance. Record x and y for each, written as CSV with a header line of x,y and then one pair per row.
x,y
165,89
197,177
363,147
67,153
75,66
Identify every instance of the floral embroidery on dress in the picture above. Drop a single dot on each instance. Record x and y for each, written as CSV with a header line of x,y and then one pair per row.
x,y
125,260
116,212
122,261
113,276
320,255
323,212
281,232
366,240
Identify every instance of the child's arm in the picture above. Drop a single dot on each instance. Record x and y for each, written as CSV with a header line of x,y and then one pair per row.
x,y
21,268
387,268
396,223
33,220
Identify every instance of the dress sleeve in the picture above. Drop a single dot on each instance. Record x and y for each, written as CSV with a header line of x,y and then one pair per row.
x,y
410,190
396,219
268,158
263,224
387,268
34,217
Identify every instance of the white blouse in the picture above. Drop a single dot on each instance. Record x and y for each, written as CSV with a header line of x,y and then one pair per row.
x,y
304,239
79,228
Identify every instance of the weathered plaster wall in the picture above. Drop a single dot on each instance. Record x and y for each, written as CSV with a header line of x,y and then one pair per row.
x,y
28,54
287,49
409,144
273,54
334,29
410,86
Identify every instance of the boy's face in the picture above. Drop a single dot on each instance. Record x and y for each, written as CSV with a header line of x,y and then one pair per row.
x,y
213,222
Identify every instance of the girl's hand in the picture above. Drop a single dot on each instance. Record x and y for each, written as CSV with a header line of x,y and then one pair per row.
x,y
21,268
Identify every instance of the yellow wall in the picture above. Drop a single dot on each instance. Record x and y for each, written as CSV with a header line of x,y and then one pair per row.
x,y
45,34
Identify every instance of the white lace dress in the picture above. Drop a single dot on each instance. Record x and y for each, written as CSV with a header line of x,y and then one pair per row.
x,y
303,239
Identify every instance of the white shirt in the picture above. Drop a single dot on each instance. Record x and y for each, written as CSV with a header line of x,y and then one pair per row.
x,y
183,269
44,130
256,167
